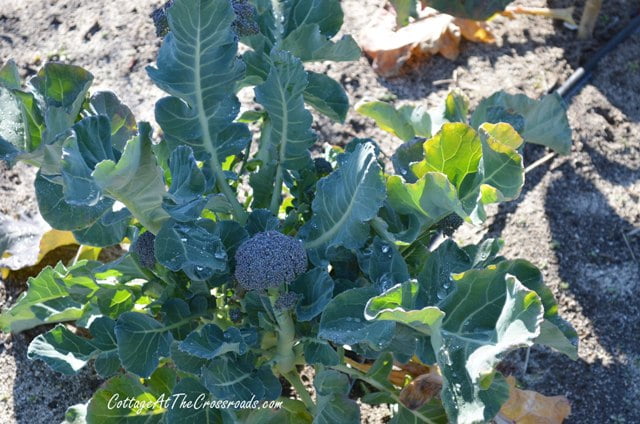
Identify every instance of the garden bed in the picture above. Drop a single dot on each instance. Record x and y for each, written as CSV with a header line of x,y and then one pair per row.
x,y
571,220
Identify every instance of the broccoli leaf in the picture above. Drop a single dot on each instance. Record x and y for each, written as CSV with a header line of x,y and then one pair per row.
x,y
210,342
61,349
235,377
136,180
101,408
334,405
197,65
56,295
286,139
122,122
80,155
185,200
191,247
62,215
310,45
141,342
63,89
343,320
545,120
345,200
107,361
461,172
477,10
488,314
326,96
316,289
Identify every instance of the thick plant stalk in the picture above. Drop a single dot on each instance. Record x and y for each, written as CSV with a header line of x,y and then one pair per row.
x,y
589,17
285,358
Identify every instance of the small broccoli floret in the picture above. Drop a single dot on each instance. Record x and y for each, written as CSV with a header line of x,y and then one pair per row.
x,y
269,259
245,23
145,250
323,167
449,224
160,20
286,301
235,315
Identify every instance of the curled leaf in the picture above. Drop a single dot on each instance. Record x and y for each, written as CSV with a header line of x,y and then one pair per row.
x,y
421,390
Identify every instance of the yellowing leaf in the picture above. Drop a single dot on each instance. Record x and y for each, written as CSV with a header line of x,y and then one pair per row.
x,y
394,51
529,407
53,239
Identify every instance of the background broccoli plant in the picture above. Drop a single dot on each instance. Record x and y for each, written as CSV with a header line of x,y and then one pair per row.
x,y
248,262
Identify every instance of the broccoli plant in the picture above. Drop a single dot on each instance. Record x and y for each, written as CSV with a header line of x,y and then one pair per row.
x,y
249,261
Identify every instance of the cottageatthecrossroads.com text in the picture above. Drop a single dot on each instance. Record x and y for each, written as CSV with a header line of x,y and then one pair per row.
x,y
182,401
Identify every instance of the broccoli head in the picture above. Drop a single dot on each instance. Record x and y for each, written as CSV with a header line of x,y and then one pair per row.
x,y
449,224
235,315
323,167
160,20
245,23
144,248
269,259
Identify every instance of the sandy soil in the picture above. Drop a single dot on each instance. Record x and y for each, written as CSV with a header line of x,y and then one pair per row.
x,y
571,219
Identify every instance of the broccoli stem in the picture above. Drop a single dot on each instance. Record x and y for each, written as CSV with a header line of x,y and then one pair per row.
x,y
285,357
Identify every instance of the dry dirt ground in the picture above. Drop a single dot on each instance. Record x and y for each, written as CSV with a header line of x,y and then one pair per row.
x,y
571,220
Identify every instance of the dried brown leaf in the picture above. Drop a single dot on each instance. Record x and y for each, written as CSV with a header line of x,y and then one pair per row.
x,y
529,407
393,51
421,390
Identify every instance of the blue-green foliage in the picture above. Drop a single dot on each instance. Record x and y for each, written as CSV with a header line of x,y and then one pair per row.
x,y
248,261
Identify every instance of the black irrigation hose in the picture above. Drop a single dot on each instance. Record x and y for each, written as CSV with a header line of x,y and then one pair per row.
x,y
581,75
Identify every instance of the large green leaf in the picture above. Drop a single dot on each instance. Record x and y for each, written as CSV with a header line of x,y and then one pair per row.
x,y
326,96
136,180
315,288
56,295
235,377
197,65
430,198
107,361
461,172
343,321
190,390
192,247
326,13
345,200
455,151
142,340
333,403
62,215
388,119
488,314
210,342
545,120
383,264
80,155
286,140
185,200
109,230
62,350
310,45
123,123
477,10
63,89
108,406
